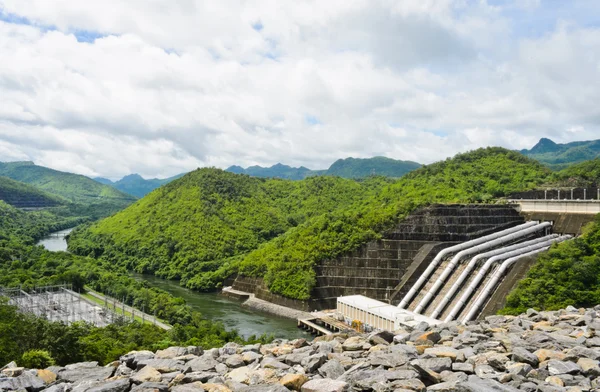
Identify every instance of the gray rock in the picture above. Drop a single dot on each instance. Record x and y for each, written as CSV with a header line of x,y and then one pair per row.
x,y
324,385
151,387
382,337
131,359
78,374
263,388
463,367
556,367
331,369
312,363
519,354
272,363
235,361
388,360
202,364
195,387
163,365
438,365
111,386
199,377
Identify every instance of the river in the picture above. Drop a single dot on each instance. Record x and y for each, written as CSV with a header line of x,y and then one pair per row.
x,y
56,241
212,306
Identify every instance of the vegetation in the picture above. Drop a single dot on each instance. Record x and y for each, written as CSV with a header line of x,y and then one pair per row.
x,y
568,274
381,166
72,187
36,359
26,265
136,185
211,224
560,156
345,168
584,174
21,195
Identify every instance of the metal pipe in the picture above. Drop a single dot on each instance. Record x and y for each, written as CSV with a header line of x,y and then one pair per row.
x,y
456,248
489,287
466,252
467,271
483,271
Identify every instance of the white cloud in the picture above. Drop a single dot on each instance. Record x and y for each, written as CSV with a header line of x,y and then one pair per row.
x,y
169,86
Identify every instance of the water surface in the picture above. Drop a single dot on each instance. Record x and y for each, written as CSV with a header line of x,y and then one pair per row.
x,y
55,242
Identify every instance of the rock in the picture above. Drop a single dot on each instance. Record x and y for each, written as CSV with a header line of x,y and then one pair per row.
x,y
131,359
202,364
162,365
313,362
239,375
47,376
443,352
9,365
388,360
556,367
193,387
555,381
589,366
438,365
463,367
198,377
519,354
382,337
236,361
251,356
272,363
354,343
76,374
147,374
431,336
293,381
151,387
172,352
545,355
13,371
324,385
331,369
111,386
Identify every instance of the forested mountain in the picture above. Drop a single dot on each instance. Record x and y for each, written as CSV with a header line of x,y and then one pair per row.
x,y
72,187
346,168
560,156
380,166
136,185
211,224
22,195
275,171
584,174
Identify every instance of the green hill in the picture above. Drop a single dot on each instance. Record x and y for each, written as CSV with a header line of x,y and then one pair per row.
x,y
584,174
346,168
72,187
560,156
21,195
211,224
381,166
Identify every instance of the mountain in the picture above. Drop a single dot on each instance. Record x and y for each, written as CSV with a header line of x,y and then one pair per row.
x,y
212,224
72,187
136,185
346,168
381,166
558,156
22,195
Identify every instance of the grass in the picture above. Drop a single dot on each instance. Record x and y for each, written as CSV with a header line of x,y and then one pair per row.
x,y
118,310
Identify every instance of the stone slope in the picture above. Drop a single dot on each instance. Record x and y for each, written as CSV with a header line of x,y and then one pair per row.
x,y
536,351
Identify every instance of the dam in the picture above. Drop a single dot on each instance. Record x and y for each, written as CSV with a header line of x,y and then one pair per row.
x,y
443,262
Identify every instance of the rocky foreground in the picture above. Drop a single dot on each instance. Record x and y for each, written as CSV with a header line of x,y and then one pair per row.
x,y
546,351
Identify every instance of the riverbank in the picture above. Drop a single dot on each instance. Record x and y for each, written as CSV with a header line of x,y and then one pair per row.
x,y
265,306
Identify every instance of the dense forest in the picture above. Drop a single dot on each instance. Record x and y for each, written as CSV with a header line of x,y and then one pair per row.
x,y
22,195
71,187
346,168
584,174
211,224
136,185
26,265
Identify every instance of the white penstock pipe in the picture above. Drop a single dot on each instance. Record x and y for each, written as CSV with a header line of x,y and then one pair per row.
x,y
489,287
474,250
483,271
467,271
456,248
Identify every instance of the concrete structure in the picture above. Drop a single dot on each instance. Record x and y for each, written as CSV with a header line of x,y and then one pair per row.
x,y
558,206
377,315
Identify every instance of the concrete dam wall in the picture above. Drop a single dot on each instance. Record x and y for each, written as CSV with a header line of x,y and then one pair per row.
x,y
385,269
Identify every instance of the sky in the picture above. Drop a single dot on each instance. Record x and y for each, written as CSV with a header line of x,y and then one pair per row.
x,y
160,87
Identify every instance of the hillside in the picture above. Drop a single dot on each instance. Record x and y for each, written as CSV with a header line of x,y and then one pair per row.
x,y
136,185
21,195
584,174
380,166
73,187
211,224
560,156
345,168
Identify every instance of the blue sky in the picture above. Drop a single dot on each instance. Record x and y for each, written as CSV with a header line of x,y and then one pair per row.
x,y
157,88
